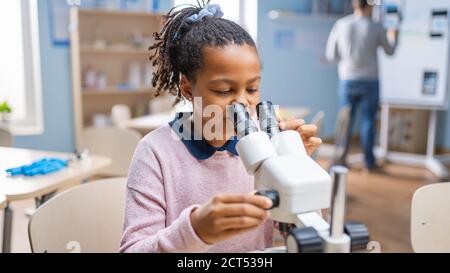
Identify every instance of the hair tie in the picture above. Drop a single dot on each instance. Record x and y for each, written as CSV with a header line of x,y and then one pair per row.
x,y
209,11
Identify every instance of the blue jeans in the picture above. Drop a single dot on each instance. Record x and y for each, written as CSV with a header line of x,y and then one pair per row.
x,y
366,95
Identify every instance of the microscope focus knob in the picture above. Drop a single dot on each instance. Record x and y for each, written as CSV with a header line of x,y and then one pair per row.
x,y
304,240
359,235
272,195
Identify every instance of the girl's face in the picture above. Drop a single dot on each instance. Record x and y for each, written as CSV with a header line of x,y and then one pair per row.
x,y
229,75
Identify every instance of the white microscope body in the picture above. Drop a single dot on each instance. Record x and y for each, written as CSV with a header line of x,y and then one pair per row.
x,y
297,185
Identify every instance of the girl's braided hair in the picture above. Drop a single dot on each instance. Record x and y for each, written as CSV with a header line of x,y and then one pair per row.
x,y
178,46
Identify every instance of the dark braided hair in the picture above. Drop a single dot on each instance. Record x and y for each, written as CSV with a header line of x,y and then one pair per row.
x,y
178,47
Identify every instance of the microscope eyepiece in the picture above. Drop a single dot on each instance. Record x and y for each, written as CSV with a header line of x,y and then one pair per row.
x,y
243,124
268,119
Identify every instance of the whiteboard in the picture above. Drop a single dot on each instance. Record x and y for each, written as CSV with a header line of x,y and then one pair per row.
x,y
418,74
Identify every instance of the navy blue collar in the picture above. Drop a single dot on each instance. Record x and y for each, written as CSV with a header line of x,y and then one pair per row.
x,y
198,146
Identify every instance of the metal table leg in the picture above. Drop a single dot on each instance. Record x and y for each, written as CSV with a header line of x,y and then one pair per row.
x,y
7,229
8,220
39,201
43,199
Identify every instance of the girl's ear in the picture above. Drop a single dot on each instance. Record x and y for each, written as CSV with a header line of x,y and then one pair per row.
x,y
186,88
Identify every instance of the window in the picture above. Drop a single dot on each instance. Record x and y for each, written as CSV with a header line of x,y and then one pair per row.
x,y
243,12
20,78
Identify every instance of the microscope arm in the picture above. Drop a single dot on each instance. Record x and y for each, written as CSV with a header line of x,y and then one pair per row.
x,y
336,237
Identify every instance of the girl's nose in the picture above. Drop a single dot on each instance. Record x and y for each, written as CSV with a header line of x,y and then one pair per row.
x,y
242,100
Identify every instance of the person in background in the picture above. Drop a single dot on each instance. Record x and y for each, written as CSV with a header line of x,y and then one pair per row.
x,y
353,43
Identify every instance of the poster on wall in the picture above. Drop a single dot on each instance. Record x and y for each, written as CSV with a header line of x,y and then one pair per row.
x,y
59,22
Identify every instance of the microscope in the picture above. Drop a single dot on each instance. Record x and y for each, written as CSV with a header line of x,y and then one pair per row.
x,y
298,187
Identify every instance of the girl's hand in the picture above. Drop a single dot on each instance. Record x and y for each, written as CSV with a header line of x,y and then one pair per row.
x,y
307,131
226,216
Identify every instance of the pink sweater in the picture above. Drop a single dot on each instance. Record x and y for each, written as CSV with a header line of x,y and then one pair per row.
x,y
166,183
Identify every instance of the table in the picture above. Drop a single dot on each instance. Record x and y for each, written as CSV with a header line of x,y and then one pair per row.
x,y
2,201
280,249
41,188
146,124
294,112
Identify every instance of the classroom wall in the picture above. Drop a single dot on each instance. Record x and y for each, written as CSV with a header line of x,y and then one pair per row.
x,y
294,75
288,80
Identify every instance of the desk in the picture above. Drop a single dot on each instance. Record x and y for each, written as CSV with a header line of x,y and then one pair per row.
x,y
41,188
293,112
146,124
281,249
2,201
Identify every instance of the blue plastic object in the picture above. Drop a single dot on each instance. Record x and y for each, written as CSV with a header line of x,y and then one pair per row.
x,y
41,167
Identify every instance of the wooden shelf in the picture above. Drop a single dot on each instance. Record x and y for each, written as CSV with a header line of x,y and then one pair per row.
x,y
114,13
117,28
113,50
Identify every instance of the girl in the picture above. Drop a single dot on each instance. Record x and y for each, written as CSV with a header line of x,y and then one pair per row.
x,y
193,195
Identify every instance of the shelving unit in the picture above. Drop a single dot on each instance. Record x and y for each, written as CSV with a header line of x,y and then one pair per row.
x,y
106,42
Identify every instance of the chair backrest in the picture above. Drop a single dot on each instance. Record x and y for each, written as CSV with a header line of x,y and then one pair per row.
x,y
161,104
342,123
116,143
6,138
85,219
318,121
120,115
340,135
2,201
430,218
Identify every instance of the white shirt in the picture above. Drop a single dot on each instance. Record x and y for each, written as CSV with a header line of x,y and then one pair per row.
x,y
354,43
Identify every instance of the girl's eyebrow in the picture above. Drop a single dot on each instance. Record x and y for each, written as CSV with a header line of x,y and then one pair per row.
x,y
254,79
231,81
222,80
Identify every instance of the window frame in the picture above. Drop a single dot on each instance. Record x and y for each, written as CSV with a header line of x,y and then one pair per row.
x,y
33,122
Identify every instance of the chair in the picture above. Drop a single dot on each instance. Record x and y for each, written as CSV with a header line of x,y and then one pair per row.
x,y
2,201
161,104
116,143
120,115
85,219
430,219
6,138
318,121
342,139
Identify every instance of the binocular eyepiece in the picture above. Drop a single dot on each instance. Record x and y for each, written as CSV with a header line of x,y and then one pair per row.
x,y
268,119
244,125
